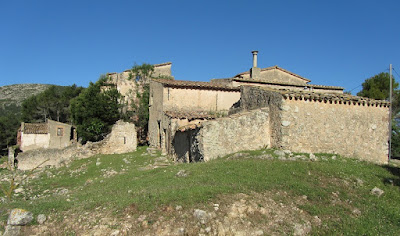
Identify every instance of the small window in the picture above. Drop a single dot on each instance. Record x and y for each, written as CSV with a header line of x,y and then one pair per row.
x,y
60,132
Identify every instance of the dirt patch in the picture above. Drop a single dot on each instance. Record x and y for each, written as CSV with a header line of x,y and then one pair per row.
x,y
239,214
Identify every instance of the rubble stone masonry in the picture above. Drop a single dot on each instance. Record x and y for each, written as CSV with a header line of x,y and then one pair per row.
x,y
353,130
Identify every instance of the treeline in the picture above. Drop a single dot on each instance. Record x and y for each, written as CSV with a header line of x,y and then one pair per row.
x,y
92,110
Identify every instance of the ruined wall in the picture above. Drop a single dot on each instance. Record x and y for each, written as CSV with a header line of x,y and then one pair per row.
x,y
34,141
352,130
155,113
122,139
126,87
199,99
163,69
57,139
242,131
256,97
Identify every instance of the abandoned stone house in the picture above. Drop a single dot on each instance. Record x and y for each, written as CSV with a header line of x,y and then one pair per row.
x,y
51,134
270,107
129,87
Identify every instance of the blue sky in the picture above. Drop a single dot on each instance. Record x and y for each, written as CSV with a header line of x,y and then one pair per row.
x,y
338,43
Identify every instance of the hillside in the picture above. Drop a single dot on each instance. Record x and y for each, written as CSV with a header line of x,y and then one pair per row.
x,y
14,95
249,193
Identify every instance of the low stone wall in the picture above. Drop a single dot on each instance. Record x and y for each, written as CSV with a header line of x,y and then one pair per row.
x,y
358,131
122,139
301,122
242,131
330,123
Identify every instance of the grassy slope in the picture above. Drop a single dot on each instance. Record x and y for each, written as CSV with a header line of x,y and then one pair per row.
x,y
155,188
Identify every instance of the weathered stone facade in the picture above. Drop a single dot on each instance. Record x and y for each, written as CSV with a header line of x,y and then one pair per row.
x,y
275,108
122,139
127,85
187,98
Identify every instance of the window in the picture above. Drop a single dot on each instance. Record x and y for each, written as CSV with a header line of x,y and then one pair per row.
x,y
60,131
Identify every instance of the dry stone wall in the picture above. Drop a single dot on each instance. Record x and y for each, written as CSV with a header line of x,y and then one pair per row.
x,y
359,131
241,131
314,123
122,139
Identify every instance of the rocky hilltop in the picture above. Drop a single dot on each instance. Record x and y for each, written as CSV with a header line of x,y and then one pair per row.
x,y
15,94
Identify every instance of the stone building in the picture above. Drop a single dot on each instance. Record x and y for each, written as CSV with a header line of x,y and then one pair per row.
x,y
51,134
128,87
269,107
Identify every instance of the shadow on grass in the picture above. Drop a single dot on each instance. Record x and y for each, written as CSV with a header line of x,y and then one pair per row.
x,y
394,171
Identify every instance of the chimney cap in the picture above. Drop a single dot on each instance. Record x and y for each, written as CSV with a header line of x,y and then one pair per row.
x,y
254,51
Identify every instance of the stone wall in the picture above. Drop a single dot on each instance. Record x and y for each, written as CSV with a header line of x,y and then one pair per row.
x,y
301,122
155,113
122,139
359,131
310,122
217,138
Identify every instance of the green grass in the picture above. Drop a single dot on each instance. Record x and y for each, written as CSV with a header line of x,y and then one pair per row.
x,y
151,189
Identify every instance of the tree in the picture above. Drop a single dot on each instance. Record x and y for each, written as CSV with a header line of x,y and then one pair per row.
x,y
53,103
9,123
377,87
95,110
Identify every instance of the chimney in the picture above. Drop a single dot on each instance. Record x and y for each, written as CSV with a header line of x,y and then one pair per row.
x,y
254,58
255,71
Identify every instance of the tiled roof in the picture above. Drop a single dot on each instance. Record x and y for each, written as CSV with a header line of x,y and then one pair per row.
x,y
195,85
278,68
190,115
162,64
331,98
288,84
36,128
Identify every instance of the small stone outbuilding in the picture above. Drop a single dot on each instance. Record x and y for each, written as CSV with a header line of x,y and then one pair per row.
x,y
51,134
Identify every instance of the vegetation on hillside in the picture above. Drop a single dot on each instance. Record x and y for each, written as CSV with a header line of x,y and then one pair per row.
x,y
11,99
139,192
9,123
53,103
378,87
13,95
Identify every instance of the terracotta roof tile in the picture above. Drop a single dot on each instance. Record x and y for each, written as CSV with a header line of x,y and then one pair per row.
x,y
288,84
190,115
334,98
36,128
195,85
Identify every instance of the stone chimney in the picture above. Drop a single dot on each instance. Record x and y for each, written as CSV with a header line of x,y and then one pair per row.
x,y
255,71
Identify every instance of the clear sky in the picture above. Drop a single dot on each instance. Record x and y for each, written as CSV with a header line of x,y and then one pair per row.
x,y
338,43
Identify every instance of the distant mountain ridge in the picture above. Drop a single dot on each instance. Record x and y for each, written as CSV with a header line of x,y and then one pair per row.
x,y
14,95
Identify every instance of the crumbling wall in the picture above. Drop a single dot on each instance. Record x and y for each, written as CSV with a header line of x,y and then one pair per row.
x,y
122,139
348,128
256,97
241,131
